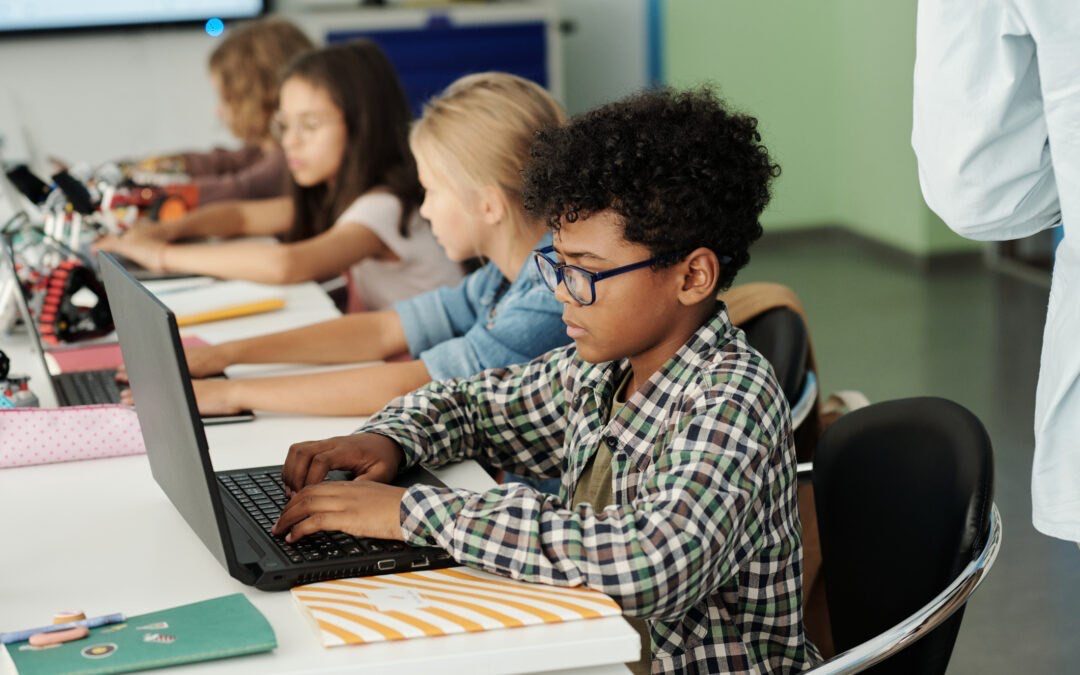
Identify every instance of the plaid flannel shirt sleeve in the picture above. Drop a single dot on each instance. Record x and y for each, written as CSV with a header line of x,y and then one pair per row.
x,y
511,417
684,535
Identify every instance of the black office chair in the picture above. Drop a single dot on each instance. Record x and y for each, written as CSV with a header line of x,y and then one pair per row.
x,y
781,337
908,530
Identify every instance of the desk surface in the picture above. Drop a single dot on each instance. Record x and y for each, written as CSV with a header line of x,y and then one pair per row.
x,y
101,536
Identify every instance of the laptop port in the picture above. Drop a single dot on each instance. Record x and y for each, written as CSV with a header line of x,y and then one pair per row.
x,y
422,561
384,565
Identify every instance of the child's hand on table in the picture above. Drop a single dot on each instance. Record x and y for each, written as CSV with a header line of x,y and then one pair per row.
x,y
136,246
208,361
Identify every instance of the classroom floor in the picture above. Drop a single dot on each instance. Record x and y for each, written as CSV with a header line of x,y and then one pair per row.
x,y
972,336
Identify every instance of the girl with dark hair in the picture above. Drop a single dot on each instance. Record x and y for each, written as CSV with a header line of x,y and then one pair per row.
x,y
343,123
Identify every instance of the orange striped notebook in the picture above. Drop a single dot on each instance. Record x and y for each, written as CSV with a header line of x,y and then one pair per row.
x,y
439,602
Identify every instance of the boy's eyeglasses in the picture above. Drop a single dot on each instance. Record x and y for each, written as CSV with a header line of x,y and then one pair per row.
x,y
580,283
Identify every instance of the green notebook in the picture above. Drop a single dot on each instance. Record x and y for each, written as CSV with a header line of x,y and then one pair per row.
x,y
203,631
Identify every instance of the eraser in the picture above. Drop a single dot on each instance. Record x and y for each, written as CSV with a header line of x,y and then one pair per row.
x,y
59,636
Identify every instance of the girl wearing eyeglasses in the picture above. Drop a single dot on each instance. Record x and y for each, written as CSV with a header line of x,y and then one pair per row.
x,y
342,122
471,146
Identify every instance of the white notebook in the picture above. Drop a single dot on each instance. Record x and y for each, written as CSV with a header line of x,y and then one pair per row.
x,y
221,300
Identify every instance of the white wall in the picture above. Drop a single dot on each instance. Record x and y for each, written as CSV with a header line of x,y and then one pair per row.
x,y
94,97
605,57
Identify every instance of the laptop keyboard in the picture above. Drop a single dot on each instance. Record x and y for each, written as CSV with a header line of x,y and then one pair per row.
x,y
262,494
88,387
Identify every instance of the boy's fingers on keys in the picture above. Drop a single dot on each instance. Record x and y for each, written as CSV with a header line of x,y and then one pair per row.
x,y
303,506
320,465
318,522
377,472
296,464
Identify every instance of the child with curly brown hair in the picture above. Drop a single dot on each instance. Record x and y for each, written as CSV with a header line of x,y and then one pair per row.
x,y
671,436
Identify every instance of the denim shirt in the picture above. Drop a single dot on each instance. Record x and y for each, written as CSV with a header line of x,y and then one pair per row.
x,y
482,323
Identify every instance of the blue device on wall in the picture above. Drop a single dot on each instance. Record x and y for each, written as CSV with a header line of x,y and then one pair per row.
x,y
430,58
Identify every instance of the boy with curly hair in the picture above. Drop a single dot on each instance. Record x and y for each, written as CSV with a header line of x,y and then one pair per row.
x,y
670,433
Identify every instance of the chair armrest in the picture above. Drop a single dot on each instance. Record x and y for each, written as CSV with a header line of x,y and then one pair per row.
x,y
804,470
926,619
802,408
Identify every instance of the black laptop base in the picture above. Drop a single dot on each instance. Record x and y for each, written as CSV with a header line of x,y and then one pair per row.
x,y
253,500
86,387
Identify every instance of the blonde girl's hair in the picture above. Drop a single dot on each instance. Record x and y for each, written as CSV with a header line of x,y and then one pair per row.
x,y
478,132
249,62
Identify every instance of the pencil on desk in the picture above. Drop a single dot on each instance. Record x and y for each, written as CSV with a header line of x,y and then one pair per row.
x,y
233,312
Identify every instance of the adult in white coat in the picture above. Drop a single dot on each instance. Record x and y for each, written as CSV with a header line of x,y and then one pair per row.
x,y
997,135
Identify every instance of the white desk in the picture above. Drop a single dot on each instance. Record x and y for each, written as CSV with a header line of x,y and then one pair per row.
x,y
101,536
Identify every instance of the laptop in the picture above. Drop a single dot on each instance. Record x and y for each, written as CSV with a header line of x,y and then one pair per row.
x,y
232,512
84,387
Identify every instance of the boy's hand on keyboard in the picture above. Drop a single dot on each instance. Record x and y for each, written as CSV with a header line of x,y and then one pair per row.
x,y
368,456
361,508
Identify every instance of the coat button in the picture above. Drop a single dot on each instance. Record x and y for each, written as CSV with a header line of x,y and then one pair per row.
x,y
611,442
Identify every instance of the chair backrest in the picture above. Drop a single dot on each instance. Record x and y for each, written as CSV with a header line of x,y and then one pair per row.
x,y
781,337
903,493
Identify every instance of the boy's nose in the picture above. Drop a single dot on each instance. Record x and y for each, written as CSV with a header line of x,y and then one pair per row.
x,y
563,295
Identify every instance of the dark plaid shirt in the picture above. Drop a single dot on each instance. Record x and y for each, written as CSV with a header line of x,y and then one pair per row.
x,y
703,538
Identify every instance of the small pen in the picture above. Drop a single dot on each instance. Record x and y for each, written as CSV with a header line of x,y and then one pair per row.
x,y
93,622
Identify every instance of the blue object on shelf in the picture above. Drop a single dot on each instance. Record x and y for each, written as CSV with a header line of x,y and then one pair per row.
x,y
430,58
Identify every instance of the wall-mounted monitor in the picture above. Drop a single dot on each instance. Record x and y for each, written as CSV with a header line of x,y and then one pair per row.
x,y
28,16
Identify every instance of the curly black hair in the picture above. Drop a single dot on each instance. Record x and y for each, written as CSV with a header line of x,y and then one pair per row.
x,y
680,169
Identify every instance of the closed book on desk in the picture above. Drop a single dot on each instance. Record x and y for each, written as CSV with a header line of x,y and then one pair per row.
x,y
222,300
439,602
204,631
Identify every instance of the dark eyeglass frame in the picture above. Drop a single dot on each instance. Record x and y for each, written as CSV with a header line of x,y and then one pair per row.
x,y
540,258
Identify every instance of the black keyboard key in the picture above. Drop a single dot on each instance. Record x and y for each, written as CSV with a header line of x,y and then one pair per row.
x,y
88,387
66,390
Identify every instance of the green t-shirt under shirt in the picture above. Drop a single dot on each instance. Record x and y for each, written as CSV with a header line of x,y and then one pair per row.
x,y
594,487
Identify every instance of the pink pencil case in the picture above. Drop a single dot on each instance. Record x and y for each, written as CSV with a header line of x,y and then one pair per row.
x,y
44,435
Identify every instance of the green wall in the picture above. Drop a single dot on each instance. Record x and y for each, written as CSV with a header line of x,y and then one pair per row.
x,y
831,84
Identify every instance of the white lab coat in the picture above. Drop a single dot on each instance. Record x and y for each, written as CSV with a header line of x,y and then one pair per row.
x,y
997,135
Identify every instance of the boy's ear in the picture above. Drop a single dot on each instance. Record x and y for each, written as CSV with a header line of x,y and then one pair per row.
x,y
493,207
700,275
